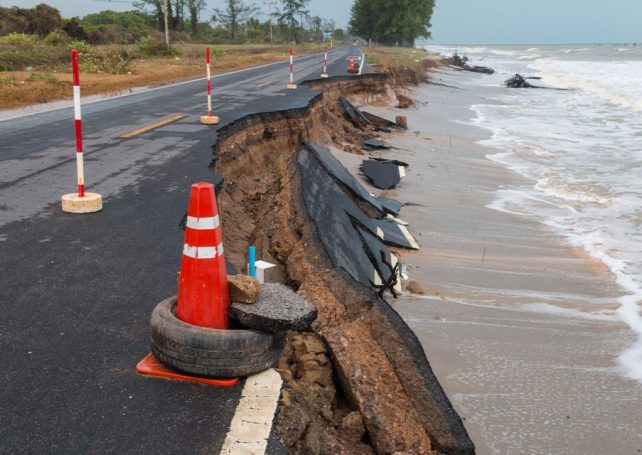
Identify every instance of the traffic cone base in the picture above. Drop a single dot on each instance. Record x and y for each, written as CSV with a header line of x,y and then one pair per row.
x,y
291,86
89,203
150,366
209,120
324,75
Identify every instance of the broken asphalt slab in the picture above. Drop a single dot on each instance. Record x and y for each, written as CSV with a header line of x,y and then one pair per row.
x,y
375,144
395,234
340,223
351,113
383,206
278,308
384,174
380,123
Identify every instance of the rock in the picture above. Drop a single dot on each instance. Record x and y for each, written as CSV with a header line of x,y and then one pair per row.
x,y
313,345
277,309
390,419
318,376
401,122
312,441
243,288
286,398
352,427
293,423
415,287
404,101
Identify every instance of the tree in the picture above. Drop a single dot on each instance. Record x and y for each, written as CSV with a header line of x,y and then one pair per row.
x,y
363,17
195,7
235,14
290,10
392,21
41,20
74,29
175,12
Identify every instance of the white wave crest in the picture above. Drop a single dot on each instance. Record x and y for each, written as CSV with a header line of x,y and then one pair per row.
x,y
607,84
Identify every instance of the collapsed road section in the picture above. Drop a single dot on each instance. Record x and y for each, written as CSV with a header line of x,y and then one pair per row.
x,y
360,381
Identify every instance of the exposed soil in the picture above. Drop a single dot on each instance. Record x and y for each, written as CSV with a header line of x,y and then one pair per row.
x,y
354,385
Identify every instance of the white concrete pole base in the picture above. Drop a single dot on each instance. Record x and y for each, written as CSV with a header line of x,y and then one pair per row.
x,y
89,203
209,120
324,75
291,86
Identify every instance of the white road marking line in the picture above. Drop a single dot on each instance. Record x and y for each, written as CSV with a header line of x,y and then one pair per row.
x,y
252,423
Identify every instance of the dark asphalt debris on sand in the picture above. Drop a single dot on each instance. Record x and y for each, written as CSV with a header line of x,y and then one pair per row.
x,y
384,174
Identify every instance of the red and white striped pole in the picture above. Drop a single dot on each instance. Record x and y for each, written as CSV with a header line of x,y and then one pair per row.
x,y
79,202
209,84
78,121
209,119
325,63
291,84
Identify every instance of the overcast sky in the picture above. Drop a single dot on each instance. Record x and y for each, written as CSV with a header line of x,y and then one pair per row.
x,y
537,21
339,10
468,21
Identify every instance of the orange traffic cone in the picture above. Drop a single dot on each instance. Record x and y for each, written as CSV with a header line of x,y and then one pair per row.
x,y
352,67
203,290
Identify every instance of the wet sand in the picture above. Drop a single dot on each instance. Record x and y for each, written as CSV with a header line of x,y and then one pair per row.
x,y
519,327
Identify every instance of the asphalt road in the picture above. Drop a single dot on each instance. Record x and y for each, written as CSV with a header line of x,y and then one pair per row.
x,y
76,291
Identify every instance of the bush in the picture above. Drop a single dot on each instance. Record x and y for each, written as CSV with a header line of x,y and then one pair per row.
x,y
74,29
152,47
111,34
80,46
21,59
113,61
18,39
57,38
46,78
133,22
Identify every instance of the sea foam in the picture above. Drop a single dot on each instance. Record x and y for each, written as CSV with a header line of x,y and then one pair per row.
x,y
581,151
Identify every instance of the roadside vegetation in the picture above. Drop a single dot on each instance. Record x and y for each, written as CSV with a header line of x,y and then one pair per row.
x,y
121,50
392,22
405,67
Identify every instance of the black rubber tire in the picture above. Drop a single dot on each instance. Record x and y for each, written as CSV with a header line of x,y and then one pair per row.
x,y
210,352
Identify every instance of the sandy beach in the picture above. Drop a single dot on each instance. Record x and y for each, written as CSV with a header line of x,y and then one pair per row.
x,y
519,326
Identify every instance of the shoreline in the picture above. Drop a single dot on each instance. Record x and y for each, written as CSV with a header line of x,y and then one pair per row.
x,y
526,362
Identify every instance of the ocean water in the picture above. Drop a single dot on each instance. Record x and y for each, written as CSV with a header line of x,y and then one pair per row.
x,y
581,148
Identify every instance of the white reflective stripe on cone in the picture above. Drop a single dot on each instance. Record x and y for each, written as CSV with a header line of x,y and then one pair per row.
x,y
202,252
201,224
